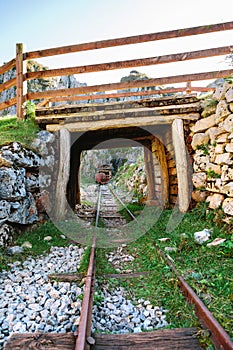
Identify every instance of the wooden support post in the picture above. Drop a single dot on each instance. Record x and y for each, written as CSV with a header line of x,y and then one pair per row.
x,y
149,174
164,173
161,160
21,84
181,164
63,175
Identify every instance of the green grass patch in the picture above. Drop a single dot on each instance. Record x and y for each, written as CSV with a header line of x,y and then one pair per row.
x,y
85,261
207,269
16,130
39,245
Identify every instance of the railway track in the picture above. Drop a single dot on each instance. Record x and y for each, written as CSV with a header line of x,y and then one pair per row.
x,y
182,339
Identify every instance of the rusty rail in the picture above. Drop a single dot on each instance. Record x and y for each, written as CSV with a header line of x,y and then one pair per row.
x,y
84,330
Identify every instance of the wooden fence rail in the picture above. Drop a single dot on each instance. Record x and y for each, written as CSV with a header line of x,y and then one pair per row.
x,y
91,92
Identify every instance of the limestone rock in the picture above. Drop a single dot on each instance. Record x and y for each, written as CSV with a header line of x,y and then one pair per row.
x,y
202,236
220,91
42,142
4,210
199,196
222,111
19,156
223,138
227,173
15,250
31,182
229,95
12,183
231,106
228,206
216,241
219,149
25,211
225,158
214,132
215,200
27,245
229,147
6,235
228,189
200,162
199,179
199,139
228,123
204,124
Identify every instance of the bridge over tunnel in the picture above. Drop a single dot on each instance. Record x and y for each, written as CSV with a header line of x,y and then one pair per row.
x,y
160,126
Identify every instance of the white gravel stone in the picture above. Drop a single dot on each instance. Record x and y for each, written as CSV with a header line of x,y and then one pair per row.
x,y
30,303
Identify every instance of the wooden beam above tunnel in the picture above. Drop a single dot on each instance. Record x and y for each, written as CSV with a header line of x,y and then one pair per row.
x,y
120,123
92,113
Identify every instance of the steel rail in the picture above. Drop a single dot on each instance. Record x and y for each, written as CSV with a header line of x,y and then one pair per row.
x,y
218,335
84,329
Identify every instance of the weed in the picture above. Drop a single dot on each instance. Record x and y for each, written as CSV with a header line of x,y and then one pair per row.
x,y
204,148
212,174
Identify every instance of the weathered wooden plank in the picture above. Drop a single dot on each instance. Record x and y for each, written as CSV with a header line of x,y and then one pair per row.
x,y
45,341
179,339
184,56
21,85
181,164
131,40
150,102
8,84
120,123
132,84
63,174
67,277
7,66
8,103
124,114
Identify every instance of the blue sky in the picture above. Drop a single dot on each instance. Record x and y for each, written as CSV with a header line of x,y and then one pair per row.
x,y
51,23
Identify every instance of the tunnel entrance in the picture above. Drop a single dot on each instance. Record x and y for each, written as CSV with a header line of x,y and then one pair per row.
x,y
154,141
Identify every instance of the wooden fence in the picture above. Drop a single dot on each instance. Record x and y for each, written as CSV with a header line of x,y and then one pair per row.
x,y
91,92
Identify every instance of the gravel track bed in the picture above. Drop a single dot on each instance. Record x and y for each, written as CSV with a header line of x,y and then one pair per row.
x,y
30,302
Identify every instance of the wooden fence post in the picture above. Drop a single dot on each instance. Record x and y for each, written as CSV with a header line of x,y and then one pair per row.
x,y
21,84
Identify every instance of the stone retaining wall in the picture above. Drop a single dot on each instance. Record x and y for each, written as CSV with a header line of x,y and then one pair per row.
x,y
212,141
24,178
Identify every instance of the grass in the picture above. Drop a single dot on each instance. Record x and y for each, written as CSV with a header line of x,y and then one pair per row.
x,y
39,245
15,130
207,269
